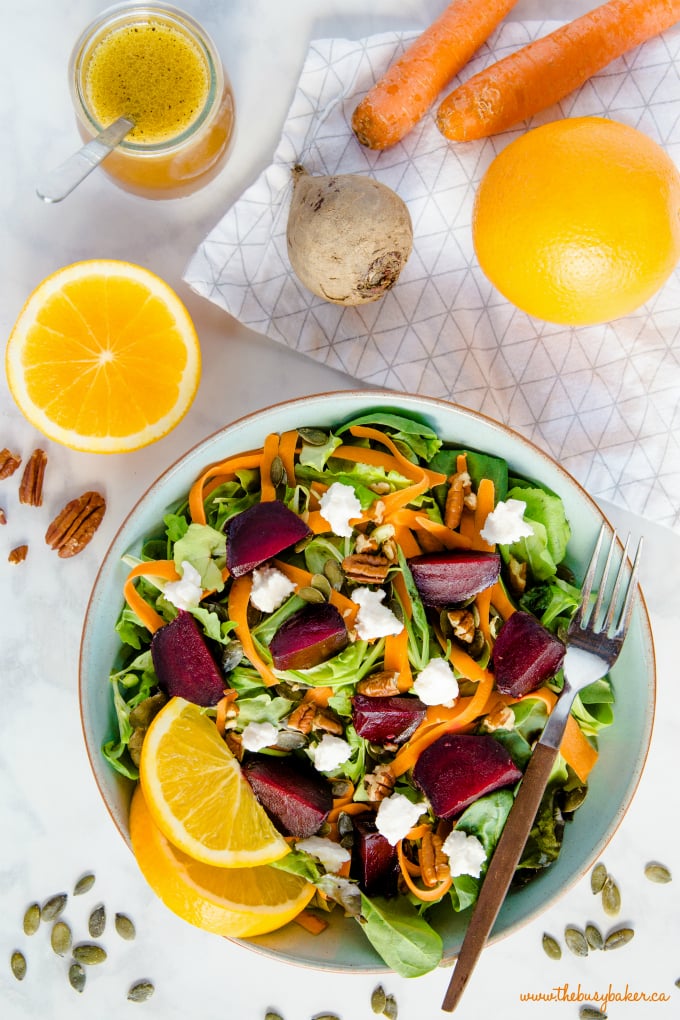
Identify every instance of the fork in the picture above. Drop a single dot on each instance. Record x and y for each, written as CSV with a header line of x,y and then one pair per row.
x,y
594,640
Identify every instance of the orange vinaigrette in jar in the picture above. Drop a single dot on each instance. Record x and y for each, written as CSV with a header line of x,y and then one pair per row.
x,y
155,65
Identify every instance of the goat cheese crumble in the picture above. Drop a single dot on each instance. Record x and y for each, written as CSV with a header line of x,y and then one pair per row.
x,y
270,588
397,815
436,684
257,735
339,505
187,591
466,853
331,855
505,524
329,753
373,619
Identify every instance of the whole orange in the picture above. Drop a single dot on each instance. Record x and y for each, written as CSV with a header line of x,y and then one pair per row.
x,y
578,221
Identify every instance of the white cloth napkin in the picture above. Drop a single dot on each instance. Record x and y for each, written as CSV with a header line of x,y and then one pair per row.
x,y
603,401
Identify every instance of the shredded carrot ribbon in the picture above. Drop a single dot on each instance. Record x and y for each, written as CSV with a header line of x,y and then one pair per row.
x,y
311,922
164,569
239,596
426,895
270,450
395,659
287,448
216,475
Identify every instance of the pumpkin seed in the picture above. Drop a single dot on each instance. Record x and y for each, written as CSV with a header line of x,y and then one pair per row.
x,y
60,938
390,1010
141,991
618,938
326,1016
270,1015
594,937
89,954
278,473
551,947
611,897
656,872
84,884
591,1013
322,584
232,653
598,877
576,941
52,908
378,999
677,983
310,594
313,437
333,571
574,798
18,964
32,919
125,927
76,977
97,921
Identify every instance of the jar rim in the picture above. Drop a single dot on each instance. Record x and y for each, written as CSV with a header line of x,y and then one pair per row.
x,y
117,16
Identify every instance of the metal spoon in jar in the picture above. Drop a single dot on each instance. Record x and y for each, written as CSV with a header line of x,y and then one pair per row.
x,y
60,182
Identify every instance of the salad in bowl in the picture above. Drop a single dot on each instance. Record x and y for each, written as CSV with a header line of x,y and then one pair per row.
x,y
335,650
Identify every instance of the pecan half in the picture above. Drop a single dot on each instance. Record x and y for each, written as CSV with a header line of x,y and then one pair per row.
x,y
3,516
368,568
307,717
434,864
18,555
9,462
380,685
75,525
379,783
463,624
30,489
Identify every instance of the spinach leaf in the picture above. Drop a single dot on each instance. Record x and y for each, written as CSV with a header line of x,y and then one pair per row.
x,y
400,935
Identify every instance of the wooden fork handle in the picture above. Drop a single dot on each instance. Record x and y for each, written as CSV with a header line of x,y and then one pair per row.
x,y
501,869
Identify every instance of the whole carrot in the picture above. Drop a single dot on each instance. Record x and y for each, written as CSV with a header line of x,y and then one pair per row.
x,y
546,70
410,86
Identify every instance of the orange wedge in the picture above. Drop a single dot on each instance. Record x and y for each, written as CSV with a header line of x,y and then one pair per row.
x,y
104,357
197,795
235,902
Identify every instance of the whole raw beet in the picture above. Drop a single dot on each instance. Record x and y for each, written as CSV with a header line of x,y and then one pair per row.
x,y
259,533
459,768
295,796
184,664
525,655
308,637
445,578
386,719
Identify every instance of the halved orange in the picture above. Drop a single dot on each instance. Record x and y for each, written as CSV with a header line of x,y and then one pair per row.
x,y
197,795
235,902
104,357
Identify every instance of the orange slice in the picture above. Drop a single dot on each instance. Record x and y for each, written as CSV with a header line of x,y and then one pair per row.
x,y
197,795
104,357
235,902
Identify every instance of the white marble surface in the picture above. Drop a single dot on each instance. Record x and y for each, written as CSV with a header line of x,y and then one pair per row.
x,y
53,826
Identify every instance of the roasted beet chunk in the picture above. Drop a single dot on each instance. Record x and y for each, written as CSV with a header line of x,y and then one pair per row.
x,y
374,860
308,637
184,664
296,798
259,533
525,655
448,577
386,719
459,768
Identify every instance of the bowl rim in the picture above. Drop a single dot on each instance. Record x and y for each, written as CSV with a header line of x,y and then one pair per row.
x,y
379,396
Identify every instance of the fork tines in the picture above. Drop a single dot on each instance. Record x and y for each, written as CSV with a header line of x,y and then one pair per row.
x,y
623,605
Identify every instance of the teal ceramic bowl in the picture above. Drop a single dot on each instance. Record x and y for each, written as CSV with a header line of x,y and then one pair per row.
x,y
623,746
